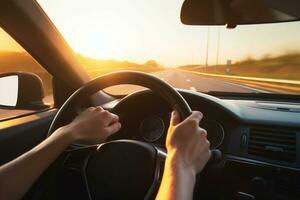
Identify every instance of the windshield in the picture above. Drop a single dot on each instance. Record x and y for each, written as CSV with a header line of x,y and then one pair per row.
x,y
148,36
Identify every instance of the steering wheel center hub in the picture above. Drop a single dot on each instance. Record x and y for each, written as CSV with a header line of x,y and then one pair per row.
x,y
115,169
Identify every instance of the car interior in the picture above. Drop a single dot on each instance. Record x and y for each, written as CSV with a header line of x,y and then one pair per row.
x,y
254,137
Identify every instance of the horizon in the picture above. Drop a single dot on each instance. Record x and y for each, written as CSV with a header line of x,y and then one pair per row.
x,y
200,65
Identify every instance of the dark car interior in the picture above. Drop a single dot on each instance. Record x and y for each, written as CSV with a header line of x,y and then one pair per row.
x,y
255,138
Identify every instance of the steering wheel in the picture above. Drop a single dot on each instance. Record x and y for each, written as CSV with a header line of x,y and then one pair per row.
x,y
120,169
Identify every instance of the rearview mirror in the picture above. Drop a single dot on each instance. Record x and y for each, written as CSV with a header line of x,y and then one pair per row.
x,y
21,90
236,12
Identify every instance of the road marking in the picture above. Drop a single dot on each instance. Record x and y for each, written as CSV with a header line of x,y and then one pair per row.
x,y
193,89
247,78
242,86
249,88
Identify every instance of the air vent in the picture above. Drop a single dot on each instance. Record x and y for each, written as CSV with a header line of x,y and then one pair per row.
x,y
273,144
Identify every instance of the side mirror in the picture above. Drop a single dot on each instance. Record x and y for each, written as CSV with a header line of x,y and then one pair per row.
x,y
21,90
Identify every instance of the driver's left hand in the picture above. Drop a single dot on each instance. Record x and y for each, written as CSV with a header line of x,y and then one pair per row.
x,y
93,125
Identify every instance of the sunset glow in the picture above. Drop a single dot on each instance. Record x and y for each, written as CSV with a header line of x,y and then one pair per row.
x,y
139,30
8,44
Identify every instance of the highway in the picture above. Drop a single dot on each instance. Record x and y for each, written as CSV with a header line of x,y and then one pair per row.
x,y
190,81
187,80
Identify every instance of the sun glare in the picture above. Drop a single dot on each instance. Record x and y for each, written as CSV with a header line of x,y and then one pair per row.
x,y
138,31
7,44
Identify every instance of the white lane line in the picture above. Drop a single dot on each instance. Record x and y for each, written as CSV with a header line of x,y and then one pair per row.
x,y
193,89
188,80
249,88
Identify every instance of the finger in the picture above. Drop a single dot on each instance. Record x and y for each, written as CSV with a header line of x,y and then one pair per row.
x,y
209,155
195,116
175,118
113,118
208,143
206,156
85,111
109,118
89,109
113,128
203,131
98,108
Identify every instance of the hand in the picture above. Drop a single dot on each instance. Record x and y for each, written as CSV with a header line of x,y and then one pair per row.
x,y
187,144
17,176
93,125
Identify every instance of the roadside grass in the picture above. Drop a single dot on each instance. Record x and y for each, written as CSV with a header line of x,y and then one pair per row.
x,y
281,67
96,67
22,61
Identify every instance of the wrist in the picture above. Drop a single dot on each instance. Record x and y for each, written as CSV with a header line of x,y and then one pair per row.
x,y
176,163
67,133
178,180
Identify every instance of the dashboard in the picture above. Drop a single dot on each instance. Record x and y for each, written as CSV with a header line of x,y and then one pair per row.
x,y
148,121
259,140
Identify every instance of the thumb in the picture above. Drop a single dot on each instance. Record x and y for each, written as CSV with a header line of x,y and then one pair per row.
x,y
175,118
113,128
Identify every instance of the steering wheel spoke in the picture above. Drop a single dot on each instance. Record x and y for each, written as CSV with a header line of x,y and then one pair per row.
x,y
77,158
159,169
120,177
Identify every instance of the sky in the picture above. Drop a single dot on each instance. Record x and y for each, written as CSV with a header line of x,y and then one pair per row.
x,y
7,43
141,30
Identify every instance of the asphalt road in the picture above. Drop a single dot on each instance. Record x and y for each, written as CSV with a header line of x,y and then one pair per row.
x,y
176,78
190,81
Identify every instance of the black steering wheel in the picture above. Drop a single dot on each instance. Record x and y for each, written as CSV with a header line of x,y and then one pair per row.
x,y
120,169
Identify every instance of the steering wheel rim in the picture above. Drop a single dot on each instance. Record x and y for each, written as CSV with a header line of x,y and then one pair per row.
x,y
140,150
163,89
94,159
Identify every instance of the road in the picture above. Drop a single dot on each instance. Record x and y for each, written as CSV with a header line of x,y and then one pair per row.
x,y
190,81
176,78
195,82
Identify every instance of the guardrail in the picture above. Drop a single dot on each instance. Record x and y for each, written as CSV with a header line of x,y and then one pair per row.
x,y
270,80
266,83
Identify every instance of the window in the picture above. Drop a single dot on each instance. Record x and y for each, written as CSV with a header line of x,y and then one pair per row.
x,y
148,36
13,58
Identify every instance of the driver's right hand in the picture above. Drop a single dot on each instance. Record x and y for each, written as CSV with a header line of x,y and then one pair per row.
x,y
187,144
